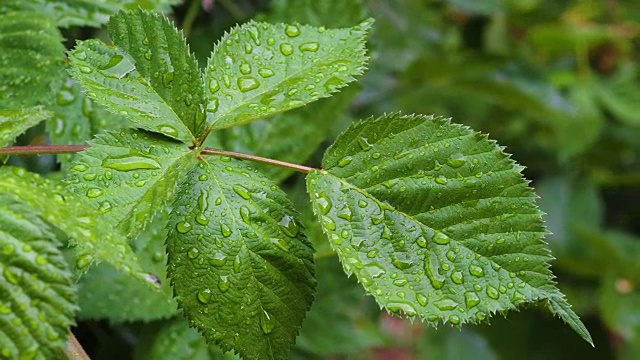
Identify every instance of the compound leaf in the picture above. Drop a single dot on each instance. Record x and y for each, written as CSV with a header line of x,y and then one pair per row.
x,y
130,175
124,299
37,296
110,76
92,240
240,265
31,59
260,69
15,122
435,220
162,56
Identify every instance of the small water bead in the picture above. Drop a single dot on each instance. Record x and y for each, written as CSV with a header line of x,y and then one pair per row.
x,y
431,270
372,253
218,260
193,253
83,261
247,83
441,180
457,160
202,219
242,191
400,282
286,49
237,262
271,41
214,86
245,214
364,143
85,69
324,202
212,105
374,269
292,30
328,223
94,193
422,242
399,307
130,163
267,322
457,277
80,167
280,243
147,55
492,292
309,47
248,48
445,304
183,227
225,230
345,161
476,270
345,213
289,226
471,299
204,295
245,68
223,283
440,238
266,73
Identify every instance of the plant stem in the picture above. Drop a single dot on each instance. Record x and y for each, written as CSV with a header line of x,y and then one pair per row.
x,y
75,351
70,149
296,167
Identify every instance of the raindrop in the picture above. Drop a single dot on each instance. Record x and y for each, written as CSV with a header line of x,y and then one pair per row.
x,y
398,307
247,83
79,167
324,202
333,84
400,282
328,223
309,46
204,295
218,260
80,54
363,204
94,192
345,213
212,105
236,264
374,269
267,322
364,143
372,253
457,278
214,86
471,299
223,283
245,68
10,275
454,319
245,214
117,67
242,191
345,161
456,160
422,299
292,30
147,55
476,270
183,227
445,304
431,270
129,163
289,226
266,73
105,207
202,219
422,242
286,49
225,230
441,180
492,292
193,253
280,243
440,238
85,69
401,264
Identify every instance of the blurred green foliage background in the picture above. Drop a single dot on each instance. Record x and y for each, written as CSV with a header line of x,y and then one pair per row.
x,y
556,82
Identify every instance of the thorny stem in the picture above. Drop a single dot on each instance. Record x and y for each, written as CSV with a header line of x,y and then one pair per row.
x,y
70,149
75,351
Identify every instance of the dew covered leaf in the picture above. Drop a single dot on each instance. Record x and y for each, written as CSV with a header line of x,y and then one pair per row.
x,y
15,122
130,175
92,240
162,57
31,59
37,294
240,266
110,77
76,119
260,69
435,220
124,299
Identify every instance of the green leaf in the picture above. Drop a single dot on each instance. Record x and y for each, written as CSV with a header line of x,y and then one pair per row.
x,y
435,220
281,137
37,296
92,240
76,119
240,265
111,78
31,59
162,57
129,176
124,299
175,340
86,12
260,69
15,122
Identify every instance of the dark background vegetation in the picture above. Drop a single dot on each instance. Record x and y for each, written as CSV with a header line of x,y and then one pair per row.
x,y
556,82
